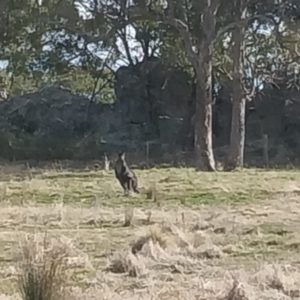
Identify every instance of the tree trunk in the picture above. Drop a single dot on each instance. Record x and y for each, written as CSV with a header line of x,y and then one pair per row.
x,y
235,157
199,51
203,115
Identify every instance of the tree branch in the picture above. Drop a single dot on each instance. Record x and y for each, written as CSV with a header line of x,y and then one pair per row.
x,y
214,6
242,23
183,30
134,15
122,35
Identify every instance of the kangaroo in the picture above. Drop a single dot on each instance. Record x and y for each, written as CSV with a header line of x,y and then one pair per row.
x,y
126,177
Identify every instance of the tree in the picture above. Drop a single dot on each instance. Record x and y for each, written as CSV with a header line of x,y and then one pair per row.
x,y
266,15
196,24
235,156
198,44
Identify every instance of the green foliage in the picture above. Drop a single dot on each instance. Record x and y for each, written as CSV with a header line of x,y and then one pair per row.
x,y
98,87
46,42
51,41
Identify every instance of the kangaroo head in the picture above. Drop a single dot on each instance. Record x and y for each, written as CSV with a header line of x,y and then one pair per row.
x,y
122,156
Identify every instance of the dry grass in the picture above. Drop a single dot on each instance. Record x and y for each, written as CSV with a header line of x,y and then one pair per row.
x,y
187,236
43,269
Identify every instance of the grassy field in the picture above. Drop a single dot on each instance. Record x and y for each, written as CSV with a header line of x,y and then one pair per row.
x,y
188,236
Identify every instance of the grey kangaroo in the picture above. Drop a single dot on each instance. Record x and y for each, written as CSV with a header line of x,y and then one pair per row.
x,y
126,177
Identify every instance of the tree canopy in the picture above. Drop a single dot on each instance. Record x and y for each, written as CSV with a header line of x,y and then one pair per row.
x,y
84,42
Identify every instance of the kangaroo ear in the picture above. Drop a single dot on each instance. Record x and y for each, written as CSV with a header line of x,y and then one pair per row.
x,y
122,155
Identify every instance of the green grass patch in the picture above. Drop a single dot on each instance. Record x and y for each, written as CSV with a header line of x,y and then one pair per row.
x,y
230,198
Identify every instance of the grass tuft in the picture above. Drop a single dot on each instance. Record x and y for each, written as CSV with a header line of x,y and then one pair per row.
x,y
125,262
155,235
43,269
237,292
